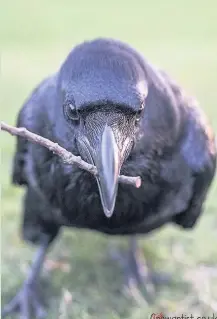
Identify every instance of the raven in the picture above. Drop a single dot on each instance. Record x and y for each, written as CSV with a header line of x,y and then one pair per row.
x,y
113,108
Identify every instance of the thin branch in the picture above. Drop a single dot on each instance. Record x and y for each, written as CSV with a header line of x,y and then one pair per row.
x,y
67,157
134,181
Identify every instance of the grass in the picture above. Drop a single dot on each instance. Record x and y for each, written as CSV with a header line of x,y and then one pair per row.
x,y
179,36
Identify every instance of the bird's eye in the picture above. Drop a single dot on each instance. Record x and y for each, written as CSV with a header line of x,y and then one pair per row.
x,y
71,112
139,112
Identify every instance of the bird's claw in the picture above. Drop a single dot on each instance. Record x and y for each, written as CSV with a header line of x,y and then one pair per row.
x,y
27,303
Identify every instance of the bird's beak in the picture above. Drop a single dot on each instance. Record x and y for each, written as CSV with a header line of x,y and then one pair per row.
x,y
108,166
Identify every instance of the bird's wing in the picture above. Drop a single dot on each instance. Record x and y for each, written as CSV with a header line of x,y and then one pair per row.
x,y
31,116
199,152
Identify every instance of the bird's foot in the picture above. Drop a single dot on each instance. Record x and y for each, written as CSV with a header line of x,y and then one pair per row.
x,y
140,280
27,303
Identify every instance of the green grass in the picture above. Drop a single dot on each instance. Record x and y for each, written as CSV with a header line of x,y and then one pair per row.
x,y
179,36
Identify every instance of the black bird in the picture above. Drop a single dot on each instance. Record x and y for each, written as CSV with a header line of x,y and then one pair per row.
x,y
116,110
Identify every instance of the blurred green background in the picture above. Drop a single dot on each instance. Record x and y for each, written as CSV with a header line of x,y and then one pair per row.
x,y
179,36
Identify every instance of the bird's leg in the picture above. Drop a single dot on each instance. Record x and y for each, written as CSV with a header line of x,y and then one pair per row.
x,y
138,273
27,299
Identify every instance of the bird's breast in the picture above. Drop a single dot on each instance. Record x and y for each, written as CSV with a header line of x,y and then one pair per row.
x,y
81,206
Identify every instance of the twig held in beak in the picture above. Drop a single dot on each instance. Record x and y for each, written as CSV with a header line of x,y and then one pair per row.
x,y
66,156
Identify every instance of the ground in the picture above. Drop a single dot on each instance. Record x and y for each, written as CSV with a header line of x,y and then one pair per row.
x,y
179,36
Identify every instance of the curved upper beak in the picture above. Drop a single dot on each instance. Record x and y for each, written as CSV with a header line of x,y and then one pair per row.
x,y
108,160
108,166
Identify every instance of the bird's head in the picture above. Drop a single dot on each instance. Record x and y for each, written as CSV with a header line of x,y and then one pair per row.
x,y
103,89
104,136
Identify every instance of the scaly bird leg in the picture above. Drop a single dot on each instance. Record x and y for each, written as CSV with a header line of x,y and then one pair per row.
x,y
27,299
138,273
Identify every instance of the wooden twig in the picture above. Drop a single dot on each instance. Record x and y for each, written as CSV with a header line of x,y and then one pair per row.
x,y
66,156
